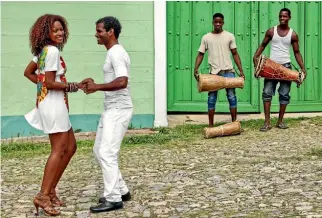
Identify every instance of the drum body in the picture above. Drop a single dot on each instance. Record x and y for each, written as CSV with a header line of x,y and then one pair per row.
x,y
269,69
227,129
211,82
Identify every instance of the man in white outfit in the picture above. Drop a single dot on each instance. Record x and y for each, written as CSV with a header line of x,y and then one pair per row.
x,y
117,115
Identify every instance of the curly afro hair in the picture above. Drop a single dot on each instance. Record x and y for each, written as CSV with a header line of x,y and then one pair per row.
x,y
39,32
111,23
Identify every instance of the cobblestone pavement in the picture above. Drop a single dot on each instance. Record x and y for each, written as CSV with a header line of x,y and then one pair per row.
x,y
255,174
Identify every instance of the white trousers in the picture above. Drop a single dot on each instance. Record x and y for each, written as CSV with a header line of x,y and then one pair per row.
x,y
110,132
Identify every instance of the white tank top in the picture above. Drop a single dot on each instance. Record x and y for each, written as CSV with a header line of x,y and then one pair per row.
x,y
280,47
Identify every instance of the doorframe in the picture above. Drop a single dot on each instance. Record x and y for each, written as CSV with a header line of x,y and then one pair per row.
x,y
160,64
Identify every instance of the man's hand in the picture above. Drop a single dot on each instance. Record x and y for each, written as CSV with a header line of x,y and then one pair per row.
x,y
304,72
87,80
81,85
84,85
196,75
90,87
241,74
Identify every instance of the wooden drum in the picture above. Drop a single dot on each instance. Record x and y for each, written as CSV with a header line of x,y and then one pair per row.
x,y
227,129
211,82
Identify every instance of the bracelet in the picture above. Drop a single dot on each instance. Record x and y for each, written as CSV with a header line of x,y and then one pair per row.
x,y
67,87
73,87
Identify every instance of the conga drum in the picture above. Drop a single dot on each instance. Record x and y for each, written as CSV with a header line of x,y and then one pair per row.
x,y
211,82
227,129
269,69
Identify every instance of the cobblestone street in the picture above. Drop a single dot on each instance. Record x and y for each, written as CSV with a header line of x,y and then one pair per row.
x,y
255,174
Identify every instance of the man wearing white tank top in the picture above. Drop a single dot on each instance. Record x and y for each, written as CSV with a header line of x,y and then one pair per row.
x,y
282,37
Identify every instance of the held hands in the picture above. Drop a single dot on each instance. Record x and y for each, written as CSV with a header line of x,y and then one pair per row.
x,y
73,86
87,80
89,86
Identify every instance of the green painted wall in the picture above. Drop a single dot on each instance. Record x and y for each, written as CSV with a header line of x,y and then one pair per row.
x,y
187,22
84,58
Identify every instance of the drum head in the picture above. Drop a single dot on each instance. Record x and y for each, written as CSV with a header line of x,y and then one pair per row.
x,y
301,76
260,63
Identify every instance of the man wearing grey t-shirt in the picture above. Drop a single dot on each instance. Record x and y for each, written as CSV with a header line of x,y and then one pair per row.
x,y
220,44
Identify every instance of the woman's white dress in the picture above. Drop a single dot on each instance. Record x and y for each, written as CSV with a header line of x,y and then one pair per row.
x,y
51,112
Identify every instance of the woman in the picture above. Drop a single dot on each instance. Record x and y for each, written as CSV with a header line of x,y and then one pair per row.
x,y
47,38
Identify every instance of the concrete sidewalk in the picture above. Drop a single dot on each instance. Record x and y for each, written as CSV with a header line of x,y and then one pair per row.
x,y
179,119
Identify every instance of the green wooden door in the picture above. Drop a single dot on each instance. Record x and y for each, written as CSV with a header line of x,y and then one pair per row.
x,y
187,22
306,22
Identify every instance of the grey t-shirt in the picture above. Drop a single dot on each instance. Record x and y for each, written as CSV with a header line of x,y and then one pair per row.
x,y
218,46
